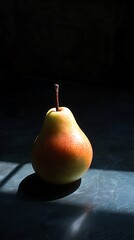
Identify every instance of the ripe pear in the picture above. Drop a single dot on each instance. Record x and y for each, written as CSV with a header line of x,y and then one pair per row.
x,y
61,153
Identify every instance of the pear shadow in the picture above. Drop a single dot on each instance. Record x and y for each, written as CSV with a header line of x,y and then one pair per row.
x,y
34,188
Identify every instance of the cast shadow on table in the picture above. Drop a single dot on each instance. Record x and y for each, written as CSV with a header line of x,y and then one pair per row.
x,y
34,188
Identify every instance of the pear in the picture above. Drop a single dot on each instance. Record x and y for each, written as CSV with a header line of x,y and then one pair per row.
x,y
61,153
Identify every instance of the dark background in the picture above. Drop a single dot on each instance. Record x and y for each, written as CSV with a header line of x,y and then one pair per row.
x,y
89,42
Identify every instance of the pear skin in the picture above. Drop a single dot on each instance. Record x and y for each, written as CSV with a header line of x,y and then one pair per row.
x,y
61,153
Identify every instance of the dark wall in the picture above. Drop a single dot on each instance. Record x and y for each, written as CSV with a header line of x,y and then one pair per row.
x,y
88,41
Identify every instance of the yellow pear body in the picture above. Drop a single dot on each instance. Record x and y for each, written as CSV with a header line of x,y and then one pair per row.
x,y
61,152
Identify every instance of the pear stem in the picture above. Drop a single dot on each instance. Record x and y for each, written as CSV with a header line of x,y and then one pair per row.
x,y
57,96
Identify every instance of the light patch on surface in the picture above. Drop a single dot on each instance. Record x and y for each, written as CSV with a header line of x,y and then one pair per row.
x,y
103,190
11,174
76,225
6,168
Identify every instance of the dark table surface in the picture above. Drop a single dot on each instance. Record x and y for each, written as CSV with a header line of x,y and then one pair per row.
x,y
98,206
